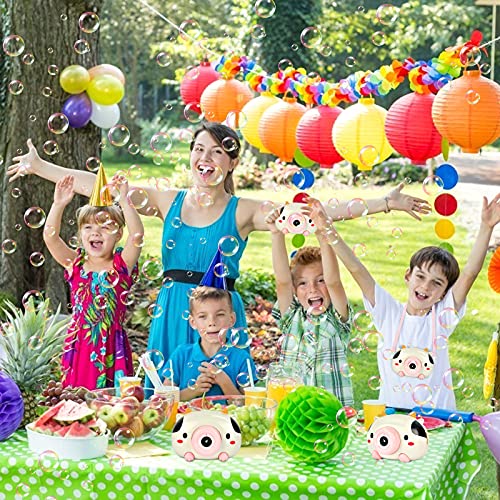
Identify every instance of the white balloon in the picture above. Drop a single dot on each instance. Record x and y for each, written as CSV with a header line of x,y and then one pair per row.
x,y
105,116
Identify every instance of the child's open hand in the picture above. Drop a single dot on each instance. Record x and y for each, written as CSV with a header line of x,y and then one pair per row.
x,y
25,163
64,191
317,213
490,214
271,219
412,205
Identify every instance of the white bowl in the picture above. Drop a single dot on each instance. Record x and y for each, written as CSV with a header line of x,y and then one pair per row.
x,y
68,447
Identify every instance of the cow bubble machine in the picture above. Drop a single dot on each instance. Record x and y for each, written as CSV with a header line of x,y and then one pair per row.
x,y
397,437
206,435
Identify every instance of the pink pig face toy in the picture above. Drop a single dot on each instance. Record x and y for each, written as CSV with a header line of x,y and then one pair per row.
x,y
292,220
413,362
206,435
397,437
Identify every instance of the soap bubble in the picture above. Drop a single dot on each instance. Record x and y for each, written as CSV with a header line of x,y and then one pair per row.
x,y
311,37
34,217
422,394
9,246
378,38
13,45
448,318
228,245
387,13
89,22
50,148
119,135
81,46
161,142
163,59
453,378
432,185
265,8
58,123
16,87
124,438
37,259
363,321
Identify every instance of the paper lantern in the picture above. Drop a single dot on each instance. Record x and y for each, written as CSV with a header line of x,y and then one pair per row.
x,y
278,125
494,271
359,134
196,80
410,129
444,229
222,96
445,204
314,137
253,111
466,111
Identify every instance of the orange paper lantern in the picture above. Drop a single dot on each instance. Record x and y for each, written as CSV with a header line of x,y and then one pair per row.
x,y
314,135
494,271
223,96
466,111
278,125
410,129
253,111
196,80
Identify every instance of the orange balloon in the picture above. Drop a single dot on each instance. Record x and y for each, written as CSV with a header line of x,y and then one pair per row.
x,y
444,229
466,111
107,69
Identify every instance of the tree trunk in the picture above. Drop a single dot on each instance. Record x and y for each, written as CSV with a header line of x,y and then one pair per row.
x,y
49,29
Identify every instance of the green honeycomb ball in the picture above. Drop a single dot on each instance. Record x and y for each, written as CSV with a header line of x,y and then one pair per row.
x,y
307,426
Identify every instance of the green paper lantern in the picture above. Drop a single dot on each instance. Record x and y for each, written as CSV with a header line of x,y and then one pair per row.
x,y
298,240
307,426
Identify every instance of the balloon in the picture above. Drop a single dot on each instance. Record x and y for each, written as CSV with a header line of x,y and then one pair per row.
x,y
105,116
78,109
107,69
106,90
74,79
490,427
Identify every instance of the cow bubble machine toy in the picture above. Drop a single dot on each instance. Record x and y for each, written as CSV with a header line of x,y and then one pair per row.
x,y
397,437
292,220
206,435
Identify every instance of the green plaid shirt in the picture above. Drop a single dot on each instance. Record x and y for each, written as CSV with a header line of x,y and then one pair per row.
x,y
321,345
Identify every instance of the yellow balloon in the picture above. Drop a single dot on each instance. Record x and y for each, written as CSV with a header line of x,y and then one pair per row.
x,y
74,79
444,229
106,90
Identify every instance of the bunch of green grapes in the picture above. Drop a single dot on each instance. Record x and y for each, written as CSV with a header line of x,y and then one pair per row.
x,y
252,421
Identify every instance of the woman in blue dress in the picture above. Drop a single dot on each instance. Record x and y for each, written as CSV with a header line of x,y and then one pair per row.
x,y
196,219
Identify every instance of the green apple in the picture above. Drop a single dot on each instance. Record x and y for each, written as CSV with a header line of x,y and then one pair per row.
x,y
152,417
105,414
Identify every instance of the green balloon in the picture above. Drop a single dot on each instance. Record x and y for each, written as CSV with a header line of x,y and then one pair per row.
x,y
302,160
298,240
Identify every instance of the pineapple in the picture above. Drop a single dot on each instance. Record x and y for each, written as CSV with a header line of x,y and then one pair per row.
x,y
31,341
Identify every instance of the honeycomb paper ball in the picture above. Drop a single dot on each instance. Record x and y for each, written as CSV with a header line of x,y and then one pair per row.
x,y
307,426
11,406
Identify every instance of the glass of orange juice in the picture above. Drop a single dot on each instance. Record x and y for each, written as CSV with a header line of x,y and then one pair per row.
x,y
282,379
170,390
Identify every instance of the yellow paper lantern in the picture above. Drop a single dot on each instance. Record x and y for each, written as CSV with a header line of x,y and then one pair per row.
x,y
253,111
223,96
359,134
444,229
278,125
467,111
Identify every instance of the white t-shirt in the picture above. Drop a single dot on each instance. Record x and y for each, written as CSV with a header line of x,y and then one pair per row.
x,y
416,332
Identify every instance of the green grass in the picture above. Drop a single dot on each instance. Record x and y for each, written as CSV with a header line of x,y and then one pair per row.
x,y
468,344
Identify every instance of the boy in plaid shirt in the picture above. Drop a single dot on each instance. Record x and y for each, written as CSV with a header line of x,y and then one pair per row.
x,y
312,310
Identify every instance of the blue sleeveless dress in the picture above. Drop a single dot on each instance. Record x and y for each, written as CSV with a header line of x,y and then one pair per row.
x,y
191,248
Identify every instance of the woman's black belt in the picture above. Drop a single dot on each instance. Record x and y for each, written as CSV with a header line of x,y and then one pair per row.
x,y
192,277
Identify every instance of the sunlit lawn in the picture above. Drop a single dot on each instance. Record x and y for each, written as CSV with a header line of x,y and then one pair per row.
x,y
389,240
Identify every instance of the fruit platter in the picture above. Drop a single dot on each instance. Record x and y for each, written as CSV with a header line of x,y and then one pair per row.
x,y
71,430
254,419
139,414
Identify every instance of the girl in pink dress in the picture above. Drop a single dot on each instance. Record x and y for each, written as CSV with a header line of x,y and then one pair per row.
x,y
96,351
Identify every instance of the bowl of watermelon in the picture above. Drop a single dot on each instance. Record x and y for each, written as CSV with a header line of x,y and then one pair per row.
x,y
71,430
130,417
254,419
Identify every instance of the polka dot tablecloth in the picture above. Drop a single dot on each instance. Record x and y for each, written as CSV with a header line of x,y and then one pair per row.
x,y
444,473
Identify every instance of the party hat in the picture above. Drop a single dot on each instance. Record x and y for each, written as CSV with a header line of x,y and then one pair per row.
x,y
212,277
100,196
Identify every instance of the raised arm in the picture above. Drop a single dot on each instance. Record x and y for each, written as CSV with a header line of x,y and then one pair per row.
x,y
281,266
394,200
490,216
331,271
63,194
32,164
135,228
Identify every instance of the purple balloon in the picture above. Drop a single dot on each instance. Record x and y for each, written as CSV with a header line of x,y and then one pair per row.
x,y
490,427
78,109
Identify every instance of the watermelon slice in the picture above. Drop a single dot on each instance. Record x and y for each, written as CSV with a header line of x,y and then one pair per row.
x,y
45,417
71,412
76,429
62,431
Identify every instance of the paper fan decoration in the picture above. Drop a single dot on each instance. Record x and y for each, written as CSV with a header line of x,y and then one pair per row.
x,y
307,426
494,271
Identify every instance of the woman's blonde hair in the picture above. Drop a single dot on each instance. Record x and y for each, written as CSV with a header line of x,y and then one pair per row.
x,y
90,213
220,132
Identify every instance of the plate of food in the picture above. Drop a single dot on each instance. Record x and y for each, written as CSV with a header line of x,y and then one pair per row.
x,y
431,423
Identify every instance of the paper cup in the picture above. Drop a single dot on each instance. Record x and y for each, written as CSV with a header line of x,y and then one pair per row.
x,y
372,408
176,392
126,382
254,395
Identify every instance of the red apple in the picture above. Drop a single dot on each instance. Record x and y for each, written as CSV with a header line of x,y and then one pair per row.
x,y
135,390
132,403
136,426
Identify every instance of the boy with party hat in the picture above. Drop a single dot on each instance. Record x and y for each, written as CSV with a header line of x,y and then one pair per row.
x,y
213,365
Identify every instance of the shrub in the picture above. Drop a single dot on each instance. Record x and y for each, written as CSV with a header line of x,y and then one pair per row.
x,y
253,283
4,298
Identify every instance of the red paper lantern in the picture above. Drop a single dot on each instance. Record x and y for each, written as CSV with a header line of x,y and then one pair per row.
x,y
410,129
278,125
314,135
467,111
223,96
196,80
